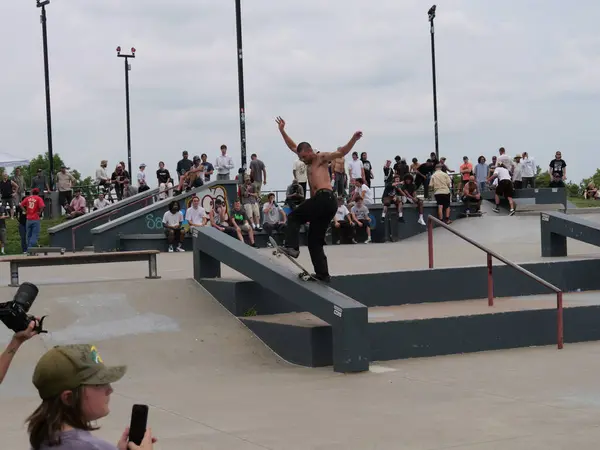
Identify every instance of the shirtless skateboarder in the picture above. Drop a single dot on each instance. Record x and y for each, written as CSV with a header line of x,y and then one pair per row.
x,y
320,208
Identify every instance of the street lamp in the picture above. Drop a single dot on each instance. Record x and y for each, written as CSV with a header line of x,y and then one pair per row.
x,y
42,4
127,69
240,54
431,14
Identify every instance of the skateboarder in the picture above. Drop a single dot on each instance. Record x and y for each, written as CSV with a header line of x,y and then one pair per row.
x,y
320,208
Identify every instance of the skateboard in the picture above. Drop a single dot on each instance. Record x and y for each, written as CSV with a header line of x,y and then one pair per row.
x,y
305,274
477,214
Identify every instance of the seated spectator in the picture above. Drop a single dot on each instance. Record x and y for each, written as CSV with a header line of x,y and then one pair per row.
x,y
75,388
193,178
172,224
128,189
100,202
472,196
250,201
239,221
196,215
141,177
342,224
77,207
294,195
392,194
360,215
409,195
275,217
219,218
591,192
165,182
362,191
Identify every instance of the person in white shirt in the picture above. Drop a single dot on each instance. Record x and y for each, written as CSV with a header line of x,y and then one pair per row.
x,y
100,202
342,224
528,172
355,170
360,215
300,174
141,179
274,217
505,187
517,176
196,215
172,224
362,191
505,160
224,164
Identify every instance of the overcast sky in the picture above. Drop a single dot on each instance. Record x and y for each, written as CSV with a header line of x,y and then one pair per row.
x,y
523,74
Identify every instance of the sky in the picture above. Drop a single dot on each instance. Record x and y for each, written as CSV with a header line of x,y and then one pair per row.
x,y
523,74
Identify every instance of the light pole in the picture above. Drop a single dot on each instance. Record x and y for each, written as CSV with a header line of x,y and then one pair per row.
x,y
127,69
42,4
431,14
240,54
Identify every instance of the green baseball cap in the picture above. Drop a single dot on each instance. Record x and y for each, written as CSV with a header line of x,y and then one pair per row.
x,y
66,367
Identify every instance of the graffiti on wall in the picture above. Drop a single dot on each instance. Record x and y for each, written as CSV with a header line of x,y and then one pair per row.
x,y
207,201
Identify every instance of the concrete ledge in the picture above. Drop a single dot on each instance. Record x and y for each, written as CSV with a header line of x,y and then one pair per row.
x,y
556,227
535,209
590,210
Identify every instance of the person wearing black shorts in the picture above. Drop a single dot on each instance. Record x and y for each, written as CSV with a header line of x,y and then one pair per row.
x,y
505,188
441,184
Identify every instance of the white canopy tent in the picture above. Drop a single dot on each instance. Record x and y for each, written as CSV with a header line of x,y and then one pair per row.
x,y
8,160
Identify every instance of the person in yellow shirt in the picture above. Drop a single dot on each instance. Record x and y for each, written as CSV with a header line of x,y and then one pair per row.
x,y
441,183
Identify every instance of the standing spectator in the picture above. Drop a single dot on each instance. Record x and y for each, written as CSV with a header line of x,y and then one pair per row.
x,y
102,178
423,176
64,185
40,181
34,205
363,192
172,224
7,188
196,215
505,160
294,195
224,164
183,165
100,202
558,171
400,167
141,178
258,172
505,187
517,176
165,182
528,172
441,183
3,216
300,174
360,216
338,174
21,215
466,170
274,217
208,167
118,179
355,171
251,200
481,173
388,173
492,166
368,169
19,180
78,205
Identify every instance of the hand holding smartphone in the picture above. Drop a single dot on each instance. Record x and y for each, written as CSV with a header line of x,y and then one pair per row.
x,y
139,423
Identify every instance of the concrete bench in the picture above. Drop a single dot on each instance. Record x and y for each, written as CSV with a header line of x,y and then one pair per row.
x,y
45,250
76,259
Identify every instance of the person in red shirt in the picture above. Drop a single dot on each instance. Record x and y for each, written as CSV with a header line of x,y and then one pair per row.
x,y
33,205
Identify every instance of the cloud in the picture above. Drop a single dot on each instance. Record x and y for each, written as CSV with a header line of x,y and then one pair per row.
x,y
522,74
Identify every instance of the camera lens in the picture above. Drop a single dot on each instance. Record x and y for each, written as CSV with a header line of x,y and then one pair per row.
x,y
25,295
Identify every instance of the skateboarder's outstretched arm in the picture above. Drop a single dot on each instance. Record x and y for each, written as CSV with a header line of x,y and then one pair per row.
x,y
288,140
342,151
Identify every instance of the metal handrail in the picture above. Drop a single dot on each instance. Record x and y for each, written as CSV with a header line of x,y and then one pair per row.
x,y
492,254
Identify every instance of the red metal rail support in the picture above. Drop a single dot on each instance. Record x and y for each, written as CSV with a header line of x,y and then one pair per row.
x,y
491,254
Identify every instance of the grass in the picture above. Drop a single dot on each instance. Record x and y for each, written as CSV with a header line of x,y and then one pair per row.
x,y
581,202
13,238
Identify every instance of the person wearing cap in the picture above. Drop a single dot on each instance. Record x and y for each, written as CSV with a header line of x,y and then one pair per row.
x,y
517,176
34,205
74,385
40,181
13,346
183,165
194,177
141,178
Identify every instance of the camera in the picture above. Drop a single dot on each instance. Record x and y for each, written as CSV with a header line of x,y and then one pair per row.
x,y
14,314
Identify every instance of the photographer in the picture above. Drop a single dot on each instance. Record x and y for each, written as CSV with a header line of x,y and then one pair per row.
x,y
14,345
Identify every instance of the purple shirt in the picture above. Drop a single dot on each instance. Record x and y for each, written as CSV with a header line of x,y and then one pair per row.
x,y
80,440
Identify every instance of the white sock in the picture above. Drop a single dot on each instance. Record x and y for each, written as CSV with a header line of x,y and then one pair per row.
x,y
400,213
420,216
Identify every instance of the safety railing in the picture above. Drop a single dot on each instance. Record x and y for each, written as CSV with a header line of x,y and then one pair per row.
x,y
491,254
146,199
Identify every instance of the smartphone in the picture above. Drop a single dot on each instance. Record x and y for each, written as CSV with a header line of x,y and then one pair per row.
x,y
139,420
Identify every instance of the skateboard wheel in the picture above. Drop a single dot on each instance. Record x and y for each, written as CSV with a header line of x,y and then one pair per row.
x,y
275,253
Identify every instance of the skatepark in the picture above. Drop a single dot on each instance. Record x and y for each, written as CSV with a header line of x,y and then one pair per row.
x,y
212,383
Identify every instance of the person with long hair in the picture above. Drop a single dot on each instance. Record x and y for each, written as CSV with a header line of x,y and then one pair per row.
x,y
75,388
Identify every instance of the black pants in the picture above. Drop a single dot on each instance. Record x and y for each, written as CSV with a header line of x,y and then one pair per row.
x,y
303,184
270,227
65,197
319,210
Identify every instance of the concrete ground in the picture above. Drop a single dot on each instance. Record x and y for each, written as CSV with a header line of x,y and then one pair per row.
x,y
212,385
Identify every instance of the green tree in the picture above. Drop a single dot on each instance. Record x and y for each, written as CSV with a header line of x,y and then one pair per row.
x,y
542,179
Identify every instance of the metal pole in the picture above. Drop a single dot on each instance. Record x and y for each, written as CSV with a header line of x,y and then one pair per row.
x,y
128,118
238,23
430,242
435,112
47,83
490,281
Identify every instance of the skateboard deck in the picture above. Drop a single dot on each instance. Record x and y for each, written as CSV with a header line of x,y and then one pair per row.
x,y
478,214
305,274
